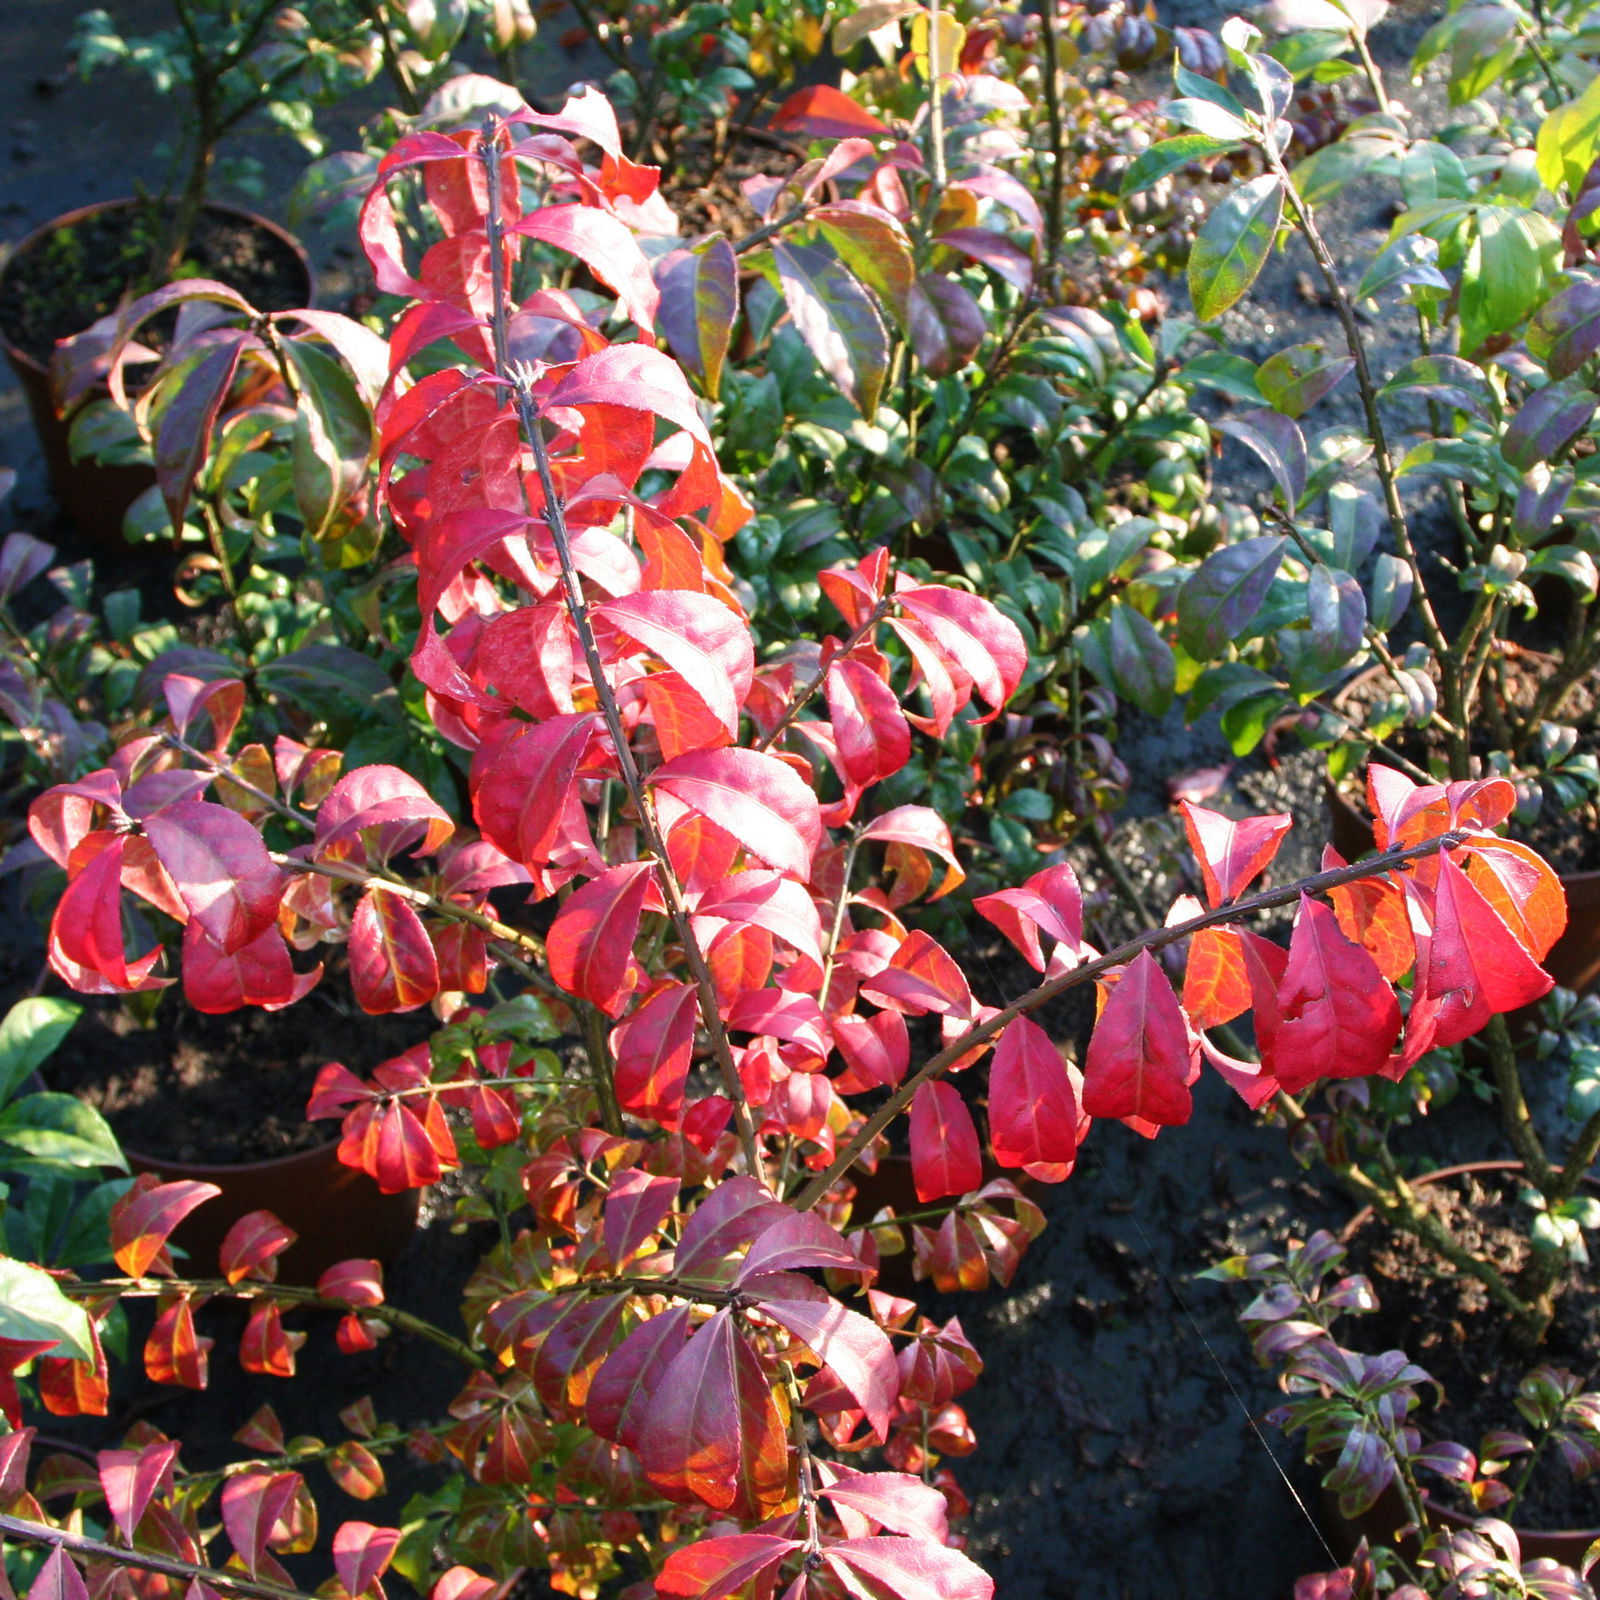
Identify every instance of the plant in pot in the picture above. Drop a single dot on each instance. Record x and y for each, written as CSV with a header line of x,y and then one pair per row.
x,y
1425,1514
225,60
653,1371
1494,418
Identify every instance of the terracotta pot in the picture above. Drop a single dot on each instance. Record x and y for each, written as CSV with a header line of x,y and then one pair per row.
x,y
337,1211
1574,959
96,497
1382,1522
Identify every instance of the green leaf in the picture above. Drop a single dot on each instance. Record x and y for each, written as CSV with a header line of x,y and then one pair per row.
x,y
1219,602
1408,262
29,1034
1431,171
1208,118
877,254
1225,372
1233,245
33,1308
1141,663
836,318
1169,156
332,436
1245,722
1507,273
1326,171
1568,140
58,1130
699,303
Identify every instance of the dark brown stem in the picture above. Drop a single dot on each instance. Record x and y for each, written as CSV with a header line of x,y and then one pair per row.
x,y
520,379
79,1544
1514,1114
759,236
1382,460
291,1294
1153,939
799,698
1052,111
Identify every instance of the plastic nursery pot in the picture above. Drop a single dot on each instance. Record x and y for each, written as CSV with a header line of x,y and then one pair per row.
x,y
1574,959
337,1211
1382,1522
97,497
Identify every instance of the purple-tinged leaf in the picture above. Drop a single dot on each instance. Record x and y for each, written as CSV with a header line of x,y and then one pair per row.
x,y
1279,443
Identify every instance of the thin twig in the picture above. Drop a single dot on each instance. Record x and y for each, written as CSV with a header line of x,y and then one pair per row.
x,y
520,379
1153,939
97,1550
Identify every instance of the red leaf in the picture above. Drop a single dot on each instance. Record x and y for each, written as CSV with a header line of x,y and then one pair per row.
x,y
375,813
623,1391
1140,1061
260,973
984,643
945,1157
392,964
523,783
361,1555
590,943
911,1569
921,976
252,1246
823,112
1337,1017
1372,911
145,1216
872,734
355,1282
1232,853
636,1206
876,1049
852,1347
1522,888
736,1213
697,637
221,868
58,1579
1472,966
716,1567
574,1346
173,1353
86,929
770,901
131,1479
1050,902
801,1239
1033,1113
462,1583
266,1347
395,1146
652,1048
758,799
927,830
1216,986
607,247
714,1433
893,1500
639,378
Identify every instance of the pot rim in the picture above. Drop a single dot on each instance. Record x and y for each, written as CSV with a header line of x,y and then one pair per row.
x,y
266,1165
18,356
1460,1169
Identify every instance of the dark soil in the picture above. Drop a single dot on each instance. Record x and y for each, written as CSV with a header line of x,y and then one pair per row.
x,y
1450,1328
224,1088
1568,840
78,274
707,195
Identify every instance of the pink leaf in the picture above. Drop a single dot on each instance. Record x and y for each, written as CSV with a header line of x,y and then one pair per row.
x,y
945,1156
1232,854
758,799
590,944
1140,1060
1033,1113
